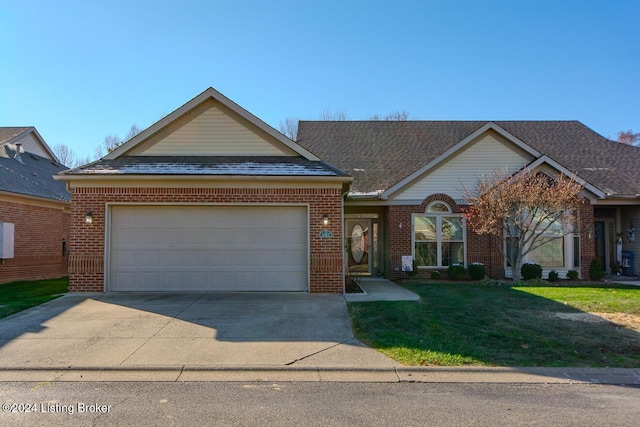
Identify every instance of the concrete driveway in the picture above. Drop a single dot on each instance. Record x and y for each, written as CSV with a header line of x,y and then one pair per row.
x,y
173,330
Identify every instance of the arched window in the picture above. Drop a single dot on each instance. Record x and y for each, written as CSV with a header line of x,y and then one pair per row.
x,y
439,236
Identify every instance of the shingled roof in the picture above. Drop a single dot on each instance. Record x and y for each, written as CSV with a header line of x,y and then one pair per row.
x,y
29,174
379,154
274,166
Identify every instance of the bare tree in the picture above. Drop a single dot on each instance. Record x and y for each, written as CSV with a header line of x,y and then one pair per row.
x,y
111,142
395,116
335,116
290,127
529,209
628,137
65,155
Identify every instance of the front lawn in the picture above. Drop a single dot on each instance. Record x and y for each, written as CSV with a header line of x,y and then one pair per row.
x,y
475,324
18,296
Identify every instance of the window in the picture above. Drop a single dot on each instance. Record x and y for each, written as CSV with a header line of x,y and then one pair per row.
x,y
439,237
559,249
551,252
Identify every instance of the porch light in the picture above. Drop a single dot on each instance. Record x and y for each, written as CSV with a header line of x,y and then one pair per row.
x,y
325,219
88,218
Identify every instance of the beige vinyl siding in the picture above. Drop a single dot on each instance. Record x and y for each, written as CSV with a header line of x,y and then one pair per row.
x,y
488,153
214,133
30,144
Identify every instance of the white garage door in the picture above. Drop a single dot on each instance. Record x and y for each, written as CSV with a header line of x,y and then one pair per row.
x,y
219,248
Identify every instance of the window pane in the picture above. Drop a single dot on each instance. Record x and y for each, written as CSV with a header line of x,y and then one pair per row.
x,y
550,254
576,251
452,229
427,254
438,207
425,228
452,252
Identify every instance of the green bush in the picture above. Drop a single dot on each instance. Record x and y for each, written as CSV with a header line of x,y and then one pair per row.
x,y
455,272
477,271
595,270
572,275
531,270
435,275
553,276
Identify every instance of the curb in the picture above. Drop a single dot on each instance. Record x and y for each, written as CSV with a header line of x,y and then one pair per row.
x,y
400,374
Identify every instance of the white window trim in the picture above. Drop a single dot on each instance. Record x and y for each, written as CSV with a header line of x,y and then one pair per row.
x,y
439,216
568,242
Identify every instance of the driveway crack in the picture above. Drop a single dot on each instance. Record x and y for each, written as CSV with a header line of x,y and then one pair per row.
x,y
317,352
159,330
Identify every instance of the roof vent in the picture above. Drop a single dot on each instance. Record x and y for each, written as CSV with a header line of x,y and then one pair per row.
x,y
18,151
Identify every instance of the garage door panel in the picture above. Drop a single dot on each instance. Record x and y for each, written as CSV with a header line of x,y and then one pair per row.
x,y
175,248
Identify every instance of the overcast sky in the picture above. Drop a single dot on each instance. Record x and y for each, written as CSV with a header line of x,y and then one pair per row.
x,y
80,70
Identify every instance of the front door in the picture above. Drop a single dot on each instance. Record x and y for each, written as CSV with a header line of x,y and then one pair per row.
x,y
604,240
358,244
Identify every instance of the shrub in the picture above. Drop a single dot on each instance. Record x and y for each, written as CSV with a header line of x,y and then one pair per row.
x,y
435,275
553,276
477,271
531,270
572,275
455,272
595,270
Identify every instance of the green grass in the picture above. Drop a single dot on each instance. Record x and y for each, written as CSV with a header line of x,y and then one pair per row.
x,y
473,324
18,296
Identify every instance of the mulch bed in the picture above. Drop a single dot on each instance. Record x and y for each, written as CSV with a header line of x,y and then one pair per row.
x,y
351,287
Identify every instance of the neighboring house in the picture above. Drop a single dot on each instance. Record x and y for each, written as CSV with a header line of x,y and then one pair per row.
x,y
208,198
409,176
34,208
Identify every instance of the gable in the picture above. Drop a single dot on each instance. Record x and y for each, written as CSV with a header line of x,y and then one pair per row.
x,y
210,125
31,144
211,131
488,152
30,140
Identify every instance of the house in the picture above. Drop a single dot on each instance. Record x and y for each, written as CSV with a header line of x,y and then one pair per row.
x,y
208,198
409,177
212,198
35,209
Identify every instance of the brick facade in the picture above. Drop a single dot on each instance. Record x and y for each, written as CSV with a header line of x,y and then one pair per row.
x,y
38,241
480,248
86,263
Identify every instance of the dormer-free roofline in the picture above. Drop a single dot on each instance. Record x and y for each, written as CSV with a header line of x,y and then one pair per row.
x,y
210,93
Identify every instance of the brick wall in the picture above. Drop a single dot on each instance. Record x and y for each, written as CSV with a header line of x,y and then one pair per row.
x,y
86,263
39,232
480,248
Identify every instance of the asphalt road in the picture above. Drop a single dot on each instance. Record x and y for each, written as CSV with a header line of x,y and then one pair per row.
x,y
316,404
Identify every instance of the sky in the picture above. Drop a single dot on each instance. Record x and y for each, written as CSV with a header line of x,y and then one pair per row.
x,y
81,70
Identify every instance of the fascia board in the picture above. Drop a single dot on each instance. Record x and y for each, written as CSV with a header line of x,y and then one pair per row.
x,y
143,177
217,96
451,151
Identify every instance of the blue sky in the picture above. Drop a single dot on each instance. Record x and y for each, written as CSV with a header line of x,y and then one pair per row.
x,y
79,71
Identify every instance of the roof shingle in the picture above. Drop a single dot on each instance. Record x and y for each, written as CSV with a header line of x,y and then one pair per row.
x,y
379,154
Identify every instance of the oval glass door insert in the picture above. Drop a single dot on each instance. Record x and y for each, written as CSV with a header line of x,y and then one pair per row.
x,y
357,243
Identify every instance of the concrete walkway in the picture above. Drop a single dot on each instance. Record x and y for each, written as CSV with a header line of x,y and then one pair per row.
x,y
378,289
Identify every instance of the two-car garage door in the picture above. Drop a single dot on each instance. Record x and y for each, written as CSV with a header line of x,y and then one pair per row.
x,y
217,248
